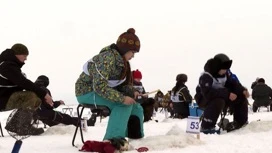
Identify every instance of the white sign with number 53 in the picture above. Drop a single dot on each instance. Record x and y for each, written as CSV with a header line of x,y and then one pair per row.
x,y
193,125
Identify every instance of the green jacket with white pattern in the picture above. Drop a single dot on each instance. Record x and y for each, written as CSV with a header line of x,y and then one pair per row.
x,y
110,65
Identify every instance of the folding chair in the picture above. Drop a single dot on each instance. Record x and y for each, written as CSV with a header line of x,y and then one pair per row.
x,y
99,110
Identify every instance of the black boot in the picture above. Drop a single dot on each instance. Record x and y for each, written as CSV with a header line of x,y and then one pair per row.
x,y
234,126
134,127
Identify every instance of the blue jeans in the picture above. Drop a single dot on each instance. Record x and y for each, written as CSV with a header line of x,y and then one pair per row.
x,y
119,116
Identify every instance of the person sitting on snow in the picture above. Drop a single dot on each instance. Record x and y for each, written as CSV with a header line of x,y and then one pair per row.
x,y
217,91
181,97
48,115
262,95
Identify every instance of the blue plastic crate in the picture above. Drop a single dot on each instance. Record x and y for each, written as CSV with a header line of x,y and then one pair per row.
x,y
194,110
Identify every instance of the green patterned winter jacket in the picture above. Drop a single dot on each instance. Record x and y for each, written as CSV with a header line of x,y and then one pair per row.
x,y
110,64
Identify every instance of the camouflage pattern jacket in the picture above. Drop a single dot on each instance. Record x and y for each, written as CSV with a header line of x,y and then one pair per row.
x,y
107,65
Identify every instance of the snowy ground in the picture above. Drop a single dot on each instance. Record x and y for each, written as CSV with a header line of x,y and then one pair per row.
x,y
166,136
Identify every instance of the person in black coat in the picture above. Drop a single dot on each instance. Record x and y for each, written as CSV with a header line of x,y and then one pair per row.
x,y
17,92
12,79
181,97
262,95
48,115
216,92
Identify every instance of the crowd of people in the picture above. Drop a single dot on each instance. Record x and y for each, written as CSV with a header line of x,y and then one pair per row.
x,y
107,79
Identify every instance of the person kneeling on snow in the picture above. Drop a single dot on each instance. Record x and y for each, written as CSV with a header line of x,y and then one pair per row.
x,y
48,116
181,97
216,92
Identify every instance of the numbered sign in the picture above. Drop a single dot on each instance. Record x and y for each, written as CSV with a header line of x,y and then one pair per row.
x,y
193,125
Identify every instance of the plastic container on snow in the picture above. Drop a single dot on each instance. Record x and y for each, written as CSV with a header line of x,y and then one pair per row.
x,y
194,110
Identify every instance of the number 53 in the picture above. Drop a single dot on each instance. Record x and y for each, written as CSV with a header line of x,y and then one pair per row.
x,y
194,125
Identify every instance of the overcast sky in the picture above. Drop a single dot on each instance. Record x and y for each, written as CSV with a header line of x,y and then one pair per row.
x,y
176,37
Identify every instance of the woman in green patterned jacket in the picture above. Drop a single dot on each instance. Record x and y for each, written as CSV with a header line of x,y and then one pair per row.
x,y
106,80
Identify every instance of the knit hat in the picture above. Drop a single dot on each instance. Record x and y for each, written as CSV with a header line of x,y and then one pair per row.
x,y
182,77
137,74
128,41
20,49
42,80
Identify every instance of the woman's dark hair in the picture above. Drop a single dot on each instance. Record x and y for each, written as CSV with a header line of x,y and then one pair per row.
x,y
127,73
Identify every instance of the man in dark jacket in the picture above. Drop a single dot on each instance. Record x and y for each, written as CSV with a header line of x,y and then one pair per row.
x,y
48,115
17,92
262,95
218,91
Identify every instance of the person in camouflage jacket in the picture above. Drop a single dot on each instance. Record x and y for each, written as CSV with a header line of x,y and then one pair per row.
x,y
106,80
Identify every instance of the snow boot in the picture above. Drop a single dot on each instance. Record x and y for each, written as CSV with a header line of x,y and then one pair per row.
x,y
134,128
234,126
210,131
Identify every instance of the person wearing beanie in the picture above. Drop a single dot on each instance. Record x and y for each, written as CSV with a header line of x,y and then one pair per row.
x,y
146,102
17,92
128,41
262,95
181,97
48,115
137,84
20,49
217,92
106,80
